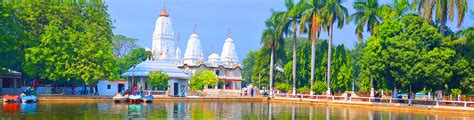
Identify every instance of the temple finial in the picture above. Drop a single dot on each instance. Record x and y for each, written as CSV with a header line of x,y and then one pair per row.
x,y
229,32
195,25
164,5
164,13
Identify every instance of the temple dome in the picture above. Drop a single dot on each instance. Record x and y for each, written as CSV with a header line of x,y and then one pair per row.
x,y
164,14
214,58
163,25
193,51
229,55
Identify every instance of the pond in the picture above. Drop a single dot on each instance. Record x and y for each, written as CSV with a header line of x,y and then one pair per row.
x,y
203,110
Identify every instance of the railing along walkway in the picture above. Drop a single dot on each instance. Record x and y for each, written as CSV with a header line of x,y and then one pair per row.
x,y
463,105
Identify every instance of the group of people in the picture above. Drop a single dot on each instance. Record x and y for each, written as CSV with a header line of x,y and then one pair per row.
x,y
133,91
248,91
28,91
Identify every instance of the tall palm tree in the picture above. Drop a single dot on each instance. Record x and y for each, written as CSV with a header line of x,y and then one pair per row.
x,y
332,11
366,15
290,19
271,38
310,16
443,10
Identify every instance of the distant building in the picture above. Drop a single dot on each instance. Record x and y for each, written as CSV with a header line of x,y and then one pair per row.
x,y
111,87
10,82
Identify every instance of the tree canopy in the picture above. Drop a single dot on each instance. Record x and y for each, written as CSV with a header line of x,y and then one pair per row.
x,y
158,79
203,78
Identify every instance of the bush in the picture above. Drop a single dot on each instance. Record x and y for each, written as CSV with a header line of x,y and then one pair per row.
x,y
283,87
456,91
303,90
319,87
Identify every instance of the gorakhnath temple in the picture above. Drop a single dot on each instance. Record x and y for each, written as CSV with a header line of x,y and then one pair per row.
x,y
167,57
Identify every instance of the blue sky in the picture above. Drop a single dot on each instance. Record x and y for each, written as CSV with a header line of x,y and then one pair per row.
x,y
136,19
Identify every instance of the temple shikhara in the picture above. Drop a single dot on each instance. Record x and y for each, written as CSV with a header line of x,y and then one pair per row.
x,y
168,58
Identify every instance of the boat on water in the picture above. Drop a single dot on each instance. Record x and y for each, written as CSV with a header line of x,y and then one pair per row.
x,y
120,98
28,98
147,98
11,98
134,98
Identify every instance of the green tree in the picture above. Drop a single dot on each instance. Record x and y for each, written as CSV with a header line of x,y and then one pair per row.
x,y
203,78
319,87
249,62
158,79
136,56
408,52
123,45
333,11
283,87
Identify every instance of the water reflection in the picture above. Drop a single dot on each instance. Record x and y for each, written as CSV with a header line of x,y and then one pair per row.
x,y
29,108
204,110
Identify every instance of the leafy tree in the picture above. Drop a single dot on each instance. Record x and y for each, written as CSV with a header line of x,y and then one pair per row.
x,y
249,63
136,56
123,45
203,78
303,90
283,87
319,87
158,79
60,40
408,52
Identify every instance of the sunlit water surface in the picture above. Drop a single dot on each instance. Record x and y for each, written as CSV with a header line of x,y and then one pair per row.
x,y
203,110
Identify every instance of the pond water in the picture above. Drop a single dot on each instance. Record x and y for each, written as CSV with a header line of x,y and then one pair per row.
x,y
202,110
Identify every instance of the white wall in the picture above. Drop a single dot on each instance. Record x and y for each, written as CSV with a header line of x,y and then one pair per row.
x,y
102,86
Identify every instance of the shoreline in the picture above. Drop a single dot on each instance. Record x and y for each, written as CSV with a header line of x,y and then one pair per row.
x,y
379,106
376,106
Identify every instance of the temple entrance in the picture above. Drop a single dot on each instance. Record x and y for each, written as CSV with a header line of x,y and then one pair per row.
x,y
120,86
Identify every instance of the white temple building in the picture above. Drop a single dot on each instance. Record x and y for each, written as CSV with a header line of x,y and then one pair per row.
x,y
226,66
165,58
168,58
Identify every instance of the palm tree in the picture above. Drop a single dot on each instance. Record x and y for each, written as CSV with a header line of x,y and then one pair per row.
x,y
290,18
396,10
310,15
443,10
271,38
332,11
366,16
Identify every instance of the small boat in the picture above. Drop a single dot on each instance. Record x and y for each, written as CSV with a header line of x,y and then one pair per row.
x,y
147,98
11,98
134,98
119,98
28,98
